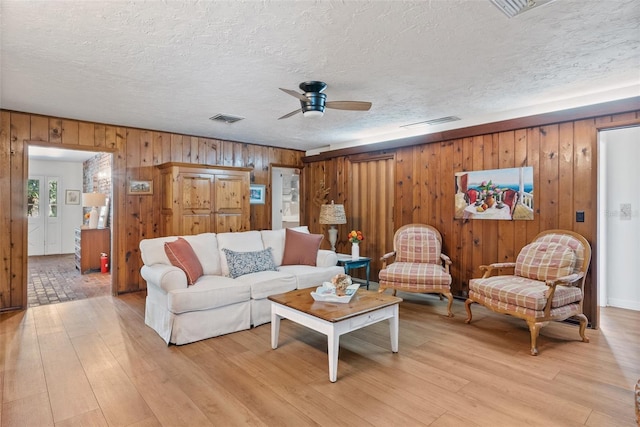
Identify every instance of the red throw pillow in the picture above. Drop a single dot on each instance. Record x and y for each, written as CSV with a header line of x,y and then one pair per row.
x,y
181,255
301,248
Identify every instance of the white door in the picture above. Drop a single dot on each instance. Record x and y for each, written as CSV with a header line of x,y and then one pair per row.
x,y
35,215
619,217
43,212
52,229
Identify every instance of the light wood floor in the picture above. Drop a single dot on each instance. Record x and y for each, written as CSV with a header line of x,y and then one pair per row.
x,y
94,362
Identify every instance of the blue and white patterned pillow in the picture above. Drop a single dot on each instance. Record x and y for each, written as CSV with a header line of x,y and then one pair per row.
x,y
241,263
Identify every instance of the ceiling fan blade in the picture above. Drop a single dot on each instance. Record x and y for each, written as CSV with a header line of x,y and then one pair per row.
x,y
295,94
349,105
293,113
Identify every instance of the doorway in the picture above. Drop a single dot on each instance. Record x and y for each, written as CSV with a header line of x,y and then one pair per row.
x,y
285,197
55,186
618,217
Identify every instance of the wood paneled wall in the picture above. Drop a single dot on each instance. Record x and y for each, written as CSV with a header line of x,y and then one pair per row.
x,y
563,156
135,217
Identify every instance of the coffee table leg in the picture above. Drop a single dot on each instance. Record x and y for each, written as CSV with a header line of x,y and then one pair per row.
x,y
393,329
275,329
333,342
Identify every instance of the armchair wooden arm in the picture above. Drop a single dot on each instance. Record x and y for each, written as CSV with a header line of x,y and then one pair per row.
x,y
566,280
447,262
491,268
386,257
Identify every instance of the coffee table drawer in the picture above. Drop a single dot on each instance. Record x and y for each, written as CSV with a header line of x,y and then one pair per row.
x,y
370,318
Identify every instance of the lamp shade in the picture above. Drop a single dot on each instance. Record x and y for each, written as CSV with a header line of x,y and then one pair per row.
x,y
93,199
332,214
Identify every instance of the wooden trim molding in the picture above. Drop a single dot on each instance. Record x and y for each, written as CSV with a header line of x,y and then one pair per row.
x,y
618,125
578,113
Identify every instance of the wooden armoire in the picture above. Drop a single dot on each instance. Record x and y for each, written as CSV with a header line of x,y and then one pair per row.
x,y
203,199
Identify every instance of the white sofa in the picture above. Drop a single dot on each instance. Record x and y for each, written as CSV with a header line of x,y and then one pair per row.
x,y
217,304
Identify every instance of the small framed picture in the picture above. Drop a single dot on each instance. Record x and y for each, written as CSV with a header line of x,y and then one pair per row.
x,y
140,186
257,194
72,197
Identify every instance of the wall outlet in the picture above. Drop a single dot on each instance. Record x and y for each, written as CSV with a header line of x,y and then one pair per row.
x,y
579,216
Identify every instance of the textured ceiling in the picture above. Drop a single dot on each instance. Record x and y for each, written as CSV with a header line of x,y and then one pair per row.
x,y
170,65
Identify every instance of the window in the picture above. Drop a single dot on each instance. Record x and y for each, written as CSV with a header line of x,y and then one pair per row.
x,y
53,198
33,198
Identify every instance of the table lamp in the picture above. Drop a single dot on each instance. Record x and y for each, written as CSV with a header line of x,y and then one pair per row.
x,y
332,214
93,200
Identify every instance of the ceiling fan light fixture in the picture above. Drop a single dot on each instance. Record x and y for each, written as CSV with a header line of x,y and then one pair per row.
x,y
512,8
313,102
313,113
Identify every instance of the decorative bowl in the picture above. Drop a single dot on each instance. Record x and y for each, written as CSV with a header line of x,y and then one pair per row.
x,y
327,293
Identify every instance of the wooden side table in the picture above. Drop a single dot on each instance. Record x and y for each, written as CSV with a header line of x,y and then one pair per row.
x,y
348,264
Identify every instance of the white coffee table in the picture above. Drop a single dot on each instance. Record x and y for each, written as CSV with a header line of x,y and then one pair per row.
x,y
334,319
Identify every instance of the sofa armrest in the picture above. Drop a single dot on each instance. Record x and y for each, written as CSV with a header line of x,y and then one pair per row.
x,y
166,277
326,258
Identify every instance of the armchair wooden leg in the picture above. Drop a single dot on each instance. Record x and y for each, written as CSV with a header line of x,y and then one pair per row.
x,y
583,325
534,328
467,306
450,298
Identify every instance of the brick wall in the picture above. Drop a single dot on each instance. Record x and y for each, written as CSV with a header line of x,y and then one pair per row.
x,y
96,176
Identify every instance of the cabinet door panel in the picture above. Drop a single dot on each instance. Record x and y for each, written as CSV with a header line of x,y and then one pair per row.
x,y
229,193
229,222
196,192
196,224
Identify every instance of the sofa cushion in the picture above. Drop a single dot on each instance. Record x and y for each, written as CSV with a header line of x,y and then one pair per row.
x,y
241,263
301,248
265,283
311,277
205,246
275,240
572,242
152,250
181,254
418,244
208,292
545,261
523,292
245,241
417,275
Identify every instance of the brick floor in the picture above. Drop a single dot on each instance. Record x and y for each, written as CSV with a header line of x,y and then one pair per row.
x,y
54,279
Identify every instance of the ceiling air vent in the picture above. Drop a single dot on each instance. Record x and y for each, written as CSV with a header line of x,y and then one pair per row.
x,y
432,122
512,8
226,118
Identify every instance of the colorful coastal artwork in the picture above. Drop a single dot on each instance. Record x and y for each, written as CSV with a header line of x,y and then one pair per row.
x,y
502,194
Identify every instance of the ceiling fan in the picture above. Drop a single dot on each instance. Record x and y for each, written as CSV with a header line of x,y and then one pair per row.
x,y
313,101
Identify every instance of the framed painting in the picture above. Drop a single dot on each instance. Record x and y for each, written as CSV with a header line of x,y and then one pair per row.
x,y
72,197
502,194
140,186
257,194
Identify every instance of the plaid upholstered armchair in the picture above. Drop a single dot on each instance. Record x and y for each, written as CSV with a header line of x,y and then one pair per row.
x,y
419,264
547,283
